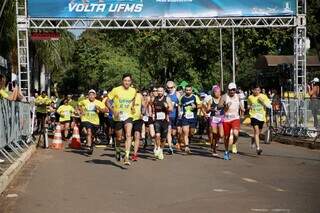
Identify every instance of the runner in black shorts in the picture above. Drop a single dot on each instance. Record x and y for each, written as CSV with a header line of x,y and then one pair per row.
x,y
137,124
162,105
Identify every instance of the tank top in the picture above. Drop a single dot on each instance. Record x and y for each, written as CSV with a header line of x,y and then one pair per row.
x,y
233,111
175,101
188,111
159,108
215,112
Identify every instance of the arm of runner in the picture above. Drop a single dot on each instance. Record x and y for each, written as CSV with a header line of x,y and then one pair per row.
x,y
264,100
222,101
198,102
170,104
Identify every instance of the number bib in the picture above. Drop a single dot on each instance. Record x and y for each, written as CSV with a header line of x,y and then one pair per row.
x,y
161,116
145,118
216,119
66,113
189,115
259,117
123,116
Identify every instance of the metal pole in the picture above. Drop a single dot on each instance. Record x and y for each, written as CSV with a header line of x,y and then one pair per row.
x,y
221,60
2,8
233,59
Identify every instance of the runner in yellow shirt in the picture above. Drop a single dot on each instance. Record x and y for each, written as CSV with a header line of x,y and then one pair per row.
x,y
89,111
42,102
257,104
123,110
65,111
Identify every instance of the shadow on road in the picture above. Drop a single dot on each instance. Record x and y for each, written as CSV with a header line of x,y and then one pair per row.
x,y
80,152
105,162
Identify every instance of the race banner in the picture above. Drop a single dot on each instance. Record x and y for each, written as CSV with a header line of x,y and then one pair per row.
x,y
159,8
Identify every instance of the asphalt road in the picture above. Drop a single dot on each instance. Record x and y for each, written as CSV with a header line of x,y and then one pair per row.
x,y
284,179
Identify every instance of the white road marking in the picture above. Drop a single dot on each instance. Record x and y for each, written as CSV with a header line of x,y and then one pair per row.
x,y
280,210
227,172
12,195
260,210
220,190
250,180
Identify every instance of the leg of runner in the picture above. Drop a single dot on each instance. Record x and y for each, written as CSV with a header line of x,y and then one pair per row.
x,y
227,131
118,144
169,139
214,138
236,129
136,145
186,132
89,140
128,138
66,129
157,145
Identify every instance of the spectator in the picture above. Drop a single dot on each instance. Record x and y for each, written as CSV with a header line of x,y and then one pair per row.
x,y
314,92
5,93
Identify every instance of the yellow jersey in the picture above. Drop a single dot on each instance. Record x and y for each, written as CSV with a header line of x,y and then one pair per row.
x,y
122,102
90,111
65,112
137,107
3,93
42,103
257,109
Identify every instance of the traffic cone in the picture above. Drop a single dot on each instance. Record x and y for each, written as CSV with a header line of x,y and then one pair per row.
x,y
57,139
75,142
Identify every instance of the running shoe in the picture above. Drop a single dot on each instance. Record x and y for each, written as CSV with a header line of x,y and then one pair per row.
x,y
234,149
90,150
226,155
134,157
156,152
178,148
187,150
214,154
126,162
170,151
118,155
259,151
160,155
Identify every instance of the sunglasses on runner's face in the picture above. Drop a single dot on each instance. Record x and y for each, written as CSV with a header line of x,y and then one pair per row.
x,y
170,87
233,90
145,94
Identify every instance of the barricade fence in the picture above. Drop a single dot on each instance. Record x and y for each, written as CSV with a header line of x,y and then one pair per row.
x,y
15,128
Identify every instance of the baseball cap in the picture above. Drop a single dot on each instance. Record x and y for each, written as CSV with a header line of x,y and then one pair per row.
x,y
92,91
202,94
105,92
215,88
316,80
232,86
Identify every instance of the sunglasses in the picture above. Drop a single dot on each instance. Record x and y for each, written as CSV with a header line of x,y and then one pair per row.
x,y
170,87
232,90
144,94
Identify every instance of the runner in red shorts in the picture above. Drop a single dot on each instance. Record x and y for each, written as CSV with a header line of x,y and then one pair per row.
x,y
231,104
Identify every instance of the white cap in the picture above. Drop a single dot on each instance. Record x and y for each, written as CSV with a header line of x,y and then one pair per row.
x,y
105,92
232,86
316,80
92,91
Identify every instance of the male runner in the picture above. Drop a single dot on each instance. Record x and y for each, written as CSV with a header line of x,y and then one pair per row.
x,y
231,104
173,115
137,124
89,110
257,104
122,110
162,106
189,104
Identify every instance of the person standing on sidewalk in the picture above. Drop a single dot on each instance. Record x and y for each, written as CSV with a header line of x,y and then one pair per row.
x,y
232,105
257,104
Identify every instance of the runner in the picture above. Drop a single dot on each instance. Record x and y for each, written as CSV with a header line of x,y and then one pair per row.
x,y
173,115
257,104
122,110
180,142
146,117
152,132
89,111
42,101
189,104
162,106
137,124
65,111
231,104
215,119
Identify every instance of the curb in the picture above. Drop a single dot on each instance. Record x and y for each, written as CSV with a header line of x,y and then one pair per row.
x,y
13,170
296,142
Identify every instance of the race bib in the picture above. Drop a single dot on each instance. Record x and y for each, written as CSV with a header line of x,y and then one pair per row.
x,y
259,117
145,118
161,116
123,116
91,107
189,115
66,113
216,119
230,116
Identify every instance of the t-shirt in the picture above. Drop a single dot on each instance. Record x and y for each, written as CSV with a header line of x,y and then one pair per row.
x,y
42,103
3,93
234,106
137,107
122,102
65,112
257,109
186,104
90,111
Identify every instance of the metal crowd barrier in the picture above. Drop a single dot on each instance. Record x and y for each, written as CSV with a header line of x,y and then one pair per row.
x,y
15,128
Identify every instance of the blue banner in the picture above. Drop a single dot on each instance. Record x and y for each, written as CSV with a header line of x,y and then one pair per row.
x,y
159,8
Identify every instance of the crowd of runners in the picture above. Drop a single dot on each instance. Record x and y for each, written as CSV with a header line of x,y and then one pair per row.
x,y
166,115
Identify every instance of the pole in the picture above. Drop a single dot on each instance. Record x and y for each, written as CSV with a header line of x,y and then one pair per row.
x,y
233,59
2,8
221,60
